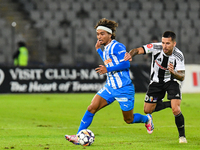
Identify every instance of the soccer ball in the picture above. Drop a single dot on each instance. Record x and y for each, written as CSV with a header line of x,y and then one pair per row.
x,y
86,137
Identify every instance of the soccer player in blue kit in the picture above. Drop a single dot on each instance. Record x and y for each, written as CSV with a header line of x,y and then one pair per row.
x,y
118,85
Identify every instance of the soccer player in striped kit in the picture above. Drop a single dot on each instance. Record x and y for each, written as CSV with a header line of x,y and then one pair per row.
x,y
118,84
167,73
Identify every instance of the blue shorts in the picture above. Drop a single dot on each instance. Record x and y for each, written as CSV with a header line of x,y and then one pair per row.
x,y
124,95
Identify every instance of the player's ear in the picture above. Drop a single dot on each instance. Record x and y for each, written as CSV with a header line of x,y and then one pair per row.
x,y
174,43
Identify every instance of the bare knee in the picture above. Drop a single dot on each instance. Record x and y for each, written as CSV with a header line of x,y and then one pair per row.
x,y
92,109
148,110
176,110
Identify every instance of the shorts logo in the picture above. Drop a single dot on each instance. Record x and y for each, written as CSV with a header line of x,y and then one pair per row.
x,y
150,99
121,99
2,76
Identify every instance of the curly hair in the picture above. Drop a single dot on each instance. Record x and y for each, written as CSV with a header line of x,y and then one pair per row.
x,y
109,24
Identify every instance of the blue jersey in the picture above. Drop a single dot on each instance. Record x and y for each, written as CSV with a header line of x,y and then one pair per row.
x,y
118,69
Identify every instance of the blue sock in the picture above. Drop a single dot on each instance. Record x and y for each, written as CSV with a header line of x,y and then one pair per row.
x,y
86,120
138,118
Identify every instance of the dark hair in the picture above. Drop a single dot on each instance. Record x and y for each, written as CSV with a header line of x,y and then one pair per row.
x,y
21,44
109,24
168,34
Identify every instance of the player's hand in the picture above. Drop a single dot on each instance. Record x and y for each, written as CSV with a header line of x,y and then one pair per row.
x,y
171,68
98,45
127,57
101,69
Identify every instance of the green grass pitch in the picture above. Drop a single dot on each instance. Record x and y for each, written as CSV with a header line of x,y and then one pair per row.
x,y
40,121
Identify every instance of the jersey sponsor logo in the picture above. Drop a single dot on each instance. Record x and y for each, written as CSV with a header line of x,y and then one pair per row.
x,y
157,46
161,67
107,61
149,45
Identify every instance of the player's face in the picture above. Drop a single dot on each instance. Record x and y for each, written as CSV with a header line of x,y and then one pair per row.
x,y
104,37
168,45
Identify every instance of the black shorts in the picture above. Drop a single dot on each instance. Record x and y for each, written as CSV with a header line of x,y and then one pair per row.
x,y
156,91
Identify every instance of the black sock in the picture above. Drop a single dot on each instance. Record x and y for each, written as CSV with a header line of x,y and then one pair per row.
x,y
179,120
162,105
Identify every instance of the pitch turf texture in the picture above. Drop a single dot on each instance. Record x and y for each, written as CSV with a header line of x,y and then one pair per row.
x,y
40,121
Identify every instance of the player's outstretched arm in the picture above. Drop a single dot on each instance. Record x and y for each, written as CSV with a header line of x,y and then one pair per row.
x,y
133,52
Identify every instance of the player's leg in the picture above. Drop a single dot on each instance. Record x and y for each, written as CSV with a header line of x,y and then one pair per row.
x,y
97,103
126,102
131,118
174,95
162,105
154,97
149,107
100,100
179,119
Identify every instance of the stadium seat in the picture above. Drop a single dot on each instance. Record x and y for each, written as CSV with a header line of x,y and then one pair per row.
x,y
132,32
157,6
147,5
144,14
131,14
174,23
94,15
98,5
52,23
76,6
186,23
41,23
194,5
122,5
88,6
59,15
137,23
183,6
35,15
125,22
181,15
106,14
196,23
168,14
41,6
65,5
70,15
47,15
149,23
194,15
156,15
118,14
112,5
170,5
53,6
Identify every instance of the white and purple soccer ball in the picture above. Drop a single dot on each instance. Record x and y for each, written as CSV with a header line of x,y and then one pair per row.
x,y
86,137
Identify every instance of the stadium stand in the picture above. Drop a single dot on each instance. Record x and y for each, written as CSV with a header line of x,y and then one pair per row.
x,y
56,28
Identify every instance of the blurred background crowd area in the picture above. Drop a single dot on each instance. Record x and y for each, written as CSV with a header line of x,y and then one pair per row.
x,y
61,32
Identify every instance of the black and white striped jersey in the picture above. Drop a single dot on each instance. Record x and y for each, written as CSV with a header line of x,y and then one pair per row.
x,y
160,61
